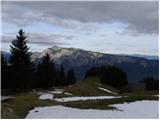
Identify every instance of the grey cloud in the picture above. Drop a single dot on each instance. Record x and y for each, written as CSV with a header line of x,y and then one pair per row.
x,y
131,32
6,38
145,50
40,38
140,16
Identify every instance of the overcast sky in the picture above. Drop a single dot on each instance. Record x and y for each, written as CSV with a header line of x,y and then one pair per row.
x,y
108,27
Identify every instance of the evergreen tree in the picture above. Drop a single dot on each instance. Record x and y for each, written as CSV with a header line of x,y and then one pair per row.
x,y
7,81
151,83
4,80
113,76
20,55
3,62
20,62
46,73
95,71
71,77
110,75
62,78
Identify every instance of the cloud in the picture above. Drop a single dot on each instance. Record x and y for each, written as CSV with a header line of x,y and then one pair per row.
x,y
141,17
41,38
109,27
6,38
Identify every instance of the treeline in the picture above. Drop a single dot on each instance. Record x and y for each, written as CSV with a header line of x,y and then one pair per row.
x,y
48,76
150,83
110,75
20,73
117,78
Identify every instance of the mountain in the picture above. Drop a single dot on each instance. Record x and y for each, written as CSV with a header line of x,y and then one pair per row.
x,y
81,61
150,57
6,55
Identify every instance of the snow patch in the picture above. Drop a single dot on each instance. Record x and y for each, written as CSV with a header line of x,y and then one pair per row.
x,y
66,93
96,54
107,90
63,52
59,90
46,97
140,109
3,98
156,95
66,99
56,92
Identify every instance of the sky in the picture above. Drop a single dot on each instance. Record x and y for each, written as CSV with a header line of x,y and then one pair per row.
x,y
119,27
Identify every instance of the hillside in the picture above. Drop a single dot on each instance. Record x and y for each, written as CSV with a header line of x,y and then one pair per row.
x,y
81,61
91,87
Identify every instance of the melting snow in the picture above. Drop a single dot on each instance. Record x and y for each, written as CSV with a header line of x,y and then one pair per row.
x,y
156,95
67,93
5,98
57,91
66,99
46,97
96,54
139,109
63,52
107,90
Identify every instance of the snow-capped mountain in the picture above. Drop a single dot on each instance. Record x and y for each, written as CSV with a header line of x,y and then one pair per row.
x,y
58,55
81,61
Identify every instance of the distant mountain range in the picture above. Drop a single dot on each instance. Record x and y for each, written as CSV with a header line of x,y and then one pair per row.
x,y
137,67
6,55
149,57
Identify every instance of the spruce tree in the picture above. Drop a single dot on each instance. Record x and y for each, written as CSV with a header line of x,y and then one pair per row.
x,y
3,62
21,62
3,72
71,77
46,73
62,78
113,76
151,83
20,55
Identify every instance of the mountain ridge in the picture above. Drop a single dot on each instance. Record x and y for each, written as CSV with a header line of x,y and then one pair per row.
x,y
81,61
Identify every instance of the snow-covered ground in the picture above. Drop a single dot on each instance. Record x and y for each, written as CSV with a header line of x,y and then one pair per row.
x,y
5,98
46,97
156,95
66,99
56,91
66,93
139,109
50,94
106,90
